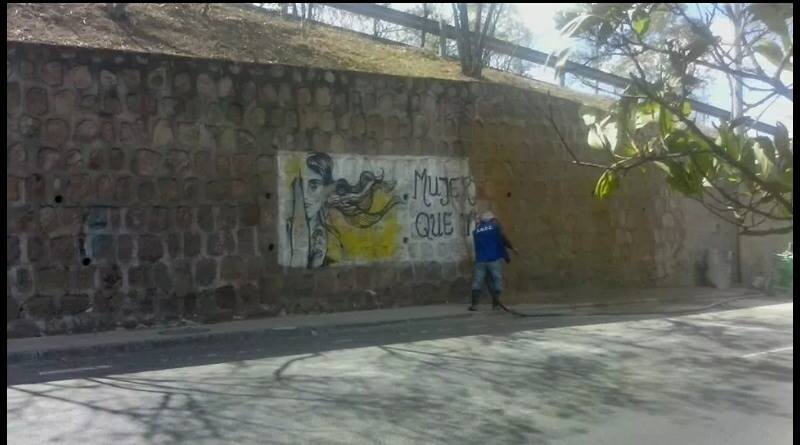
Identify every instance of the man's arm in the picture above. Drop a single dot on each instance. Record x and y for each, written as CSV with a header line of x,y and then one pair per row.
x,y
506,241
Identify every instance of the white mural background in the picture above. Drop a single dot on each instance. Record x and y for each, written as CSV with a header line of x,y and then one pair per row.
x,y
339,209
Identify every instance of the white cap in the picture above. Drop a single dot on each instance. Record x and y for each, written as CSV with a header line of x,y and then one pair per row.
x,y
487,216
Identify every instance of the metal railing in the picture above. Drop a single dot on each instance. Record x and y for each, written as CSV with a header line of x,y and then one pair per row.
x,y
510,49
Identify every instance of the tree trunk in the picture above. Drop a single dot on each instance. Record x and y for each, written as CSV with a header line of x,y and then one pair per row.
x,y
117,10
738,88
425,14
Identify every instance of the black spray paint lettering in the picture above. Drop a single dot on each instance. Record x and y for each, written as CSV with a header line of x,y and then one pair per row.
x,y
443,187
434,225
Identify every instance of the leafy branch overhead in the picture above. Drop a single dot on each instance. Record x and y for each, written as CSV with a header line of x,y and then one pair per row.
x,y
740,175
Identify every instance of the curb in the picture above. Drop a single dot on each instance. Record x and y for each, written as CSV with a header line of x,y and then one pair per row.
x,y
206,338
248,335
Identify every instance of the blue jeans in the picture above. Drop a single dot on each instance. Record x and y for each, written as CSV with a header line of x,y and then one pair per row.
x,y
495,272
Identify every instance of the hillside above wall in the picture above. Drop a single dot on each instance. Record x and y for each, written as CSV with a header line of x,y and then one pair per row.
x,y
239,33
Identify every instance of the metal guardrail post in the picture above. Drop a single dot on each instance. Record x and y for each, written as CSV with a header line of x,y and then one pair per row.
x,y
442,40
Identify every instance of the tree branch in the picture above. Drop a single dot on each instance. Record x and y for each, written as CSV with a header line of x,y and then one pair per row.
x,y
718,151
778,231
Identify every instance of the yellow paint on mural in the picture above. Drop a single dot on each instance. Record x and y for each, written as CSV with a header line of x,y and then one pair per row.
x,y
379,242
292,169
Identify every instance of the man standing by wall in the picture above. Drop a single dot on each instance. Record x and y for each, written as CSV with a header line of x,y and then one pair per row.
x,y
490,249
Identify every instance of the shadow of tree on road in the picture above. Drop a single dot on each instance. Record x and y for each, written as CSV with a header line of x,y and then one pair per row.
x,y
512,388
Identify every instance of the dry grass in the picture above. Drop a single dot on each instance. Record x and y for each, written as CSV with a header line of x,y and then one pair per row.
x,y
234,33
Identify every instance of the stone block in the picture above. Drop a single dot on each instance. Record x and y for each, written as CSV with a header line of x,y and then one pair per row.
x,y
123,190
36,101
220,243
146,190
159,219
103,247
182,277
72,304
190,190
22,328
110,277
178,163
174,245
205,271
64,250
227,217
162,134
13,250
23,281
231,268
182,83
13,96
81,77
86,130
21,219
249,215
225,297
147,163
30,127
39,306
162,277
150,248
205,218
246,241
140,276
125,248
192,244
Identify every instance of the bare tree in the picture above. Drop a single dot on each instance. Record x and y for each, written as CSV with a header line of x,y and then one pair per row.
x,y
472,34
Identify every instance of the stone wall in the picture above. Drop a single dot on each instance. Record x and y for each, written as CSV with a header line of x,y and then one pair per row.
x,y
145,188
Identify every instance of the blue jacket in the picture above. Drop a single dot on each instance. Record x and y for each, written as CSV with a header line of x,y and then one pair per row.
x,y
490,243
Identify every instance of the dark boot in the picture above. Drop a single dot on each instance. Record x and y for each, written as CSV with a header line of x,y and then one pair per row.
x,y
496,302
474,305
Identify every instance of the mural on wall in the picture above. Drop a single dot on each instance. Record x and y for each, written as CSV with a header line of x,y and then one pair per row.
x,y
355,209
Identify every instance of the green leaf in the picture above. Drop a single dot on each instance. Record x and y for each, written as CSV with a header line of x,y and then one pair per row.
x,y
686,108
761,152
765,144
611,134
645,114
662,166
665,123
729,141
782,143
704,162
640,21
770,50
608,182
684,179
597,139
678,141
580,24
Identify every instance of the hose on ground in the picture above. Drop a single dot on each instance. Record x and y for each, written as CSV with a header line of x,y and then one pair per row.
x,y
676,312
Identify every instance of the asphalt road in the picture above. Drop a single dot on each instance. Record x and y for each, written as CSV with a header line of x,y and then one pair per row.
x,y
721,377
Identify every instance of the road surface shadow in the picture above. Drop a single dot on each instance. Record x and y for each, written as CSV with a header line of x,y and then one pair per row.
x,y
317,340
510,387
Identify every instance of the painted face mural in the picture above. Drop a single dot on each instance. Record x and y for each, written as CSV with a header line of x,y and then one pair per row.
x,y
358,209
